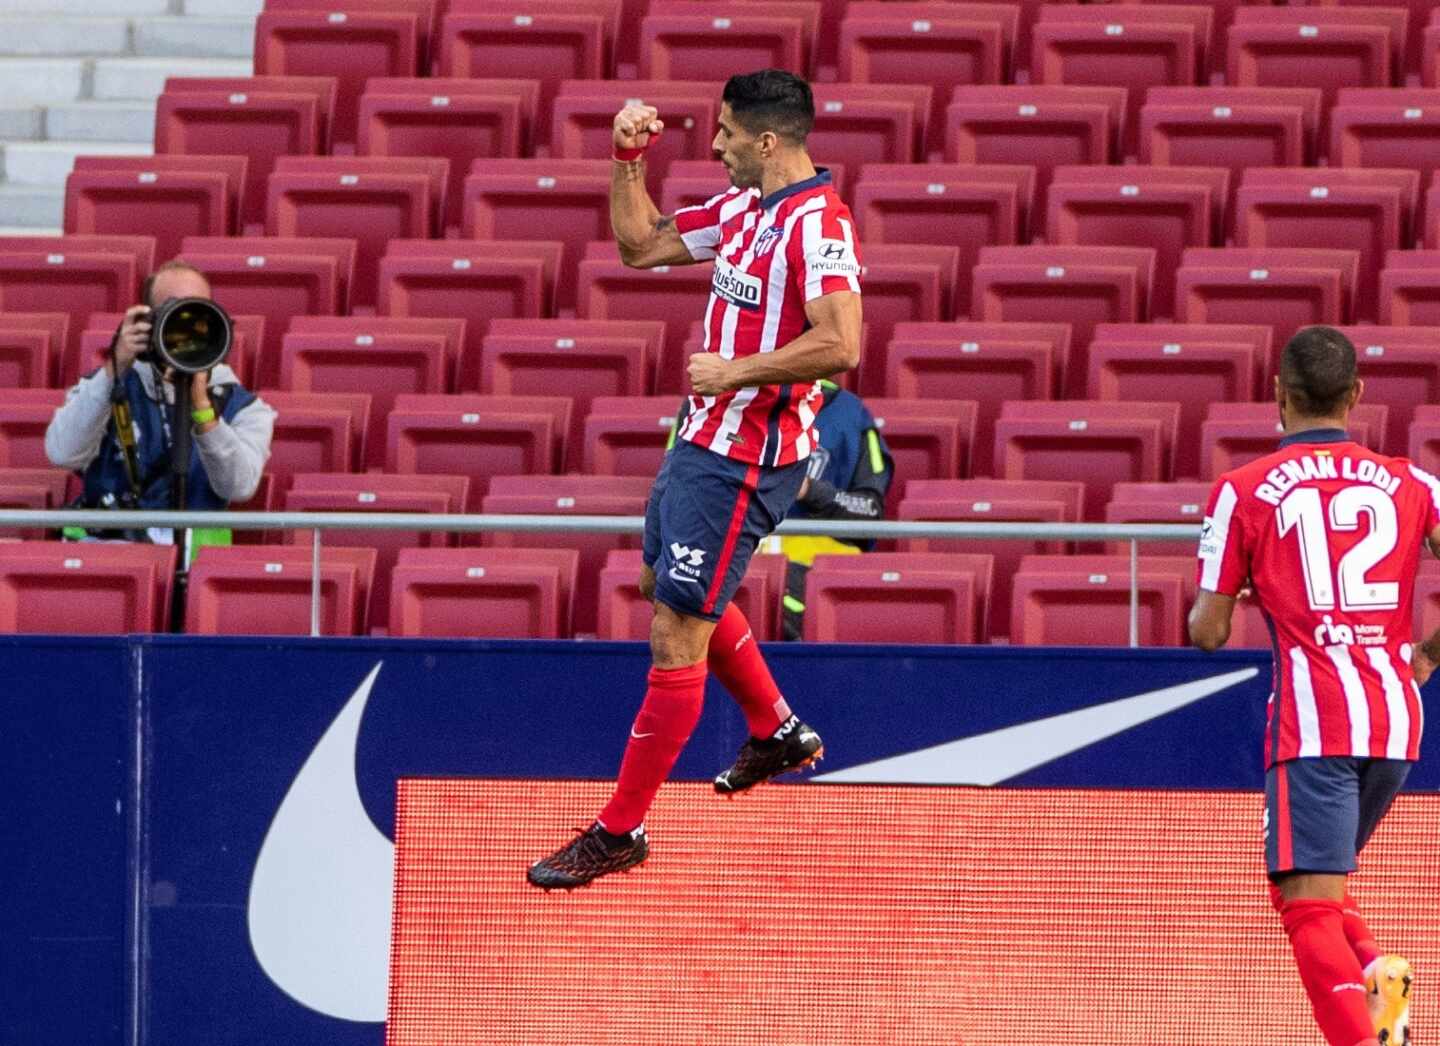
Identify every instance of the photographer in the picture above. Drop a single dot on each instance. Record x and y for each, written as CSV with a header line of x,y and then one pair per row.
x,y
231,427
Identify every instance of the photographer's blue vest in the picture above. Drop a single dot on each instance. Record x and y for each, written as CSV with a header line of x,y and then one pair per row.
x,y
843,422
106,474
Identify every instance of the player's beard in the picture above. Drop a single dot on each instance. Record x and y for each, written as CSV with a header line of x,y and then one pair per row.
x,y
743,175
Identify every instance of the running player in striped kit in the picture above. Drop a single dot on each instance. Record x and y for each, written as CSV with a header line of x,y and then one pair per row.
x,y
1330,535
784,312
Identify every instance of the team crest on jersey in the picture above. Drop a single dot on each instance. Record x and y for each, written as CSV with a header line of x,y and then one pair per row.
x,y
767,239
738,288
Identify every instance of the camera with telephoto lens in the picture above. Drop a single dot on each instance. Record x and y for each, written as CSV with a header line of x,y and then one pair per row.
x,y
191,335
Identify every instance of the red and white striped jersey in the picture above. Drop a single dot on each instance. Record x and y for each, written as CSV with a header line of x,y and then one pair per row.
x,y
772,256
1330,535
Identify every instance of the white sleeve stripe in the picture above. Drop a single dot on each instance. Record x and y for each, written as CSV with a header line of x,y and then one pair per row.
x,y
1219,537
850,242
810,233
1430,482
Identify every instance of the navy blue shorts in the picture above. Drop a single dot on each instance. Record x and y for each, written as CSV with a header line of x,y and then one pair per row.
x,y
1320,813
705,517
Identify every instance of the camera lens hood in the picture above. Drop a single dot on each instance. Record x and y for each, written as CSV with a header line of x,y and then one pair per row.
x,y
190,334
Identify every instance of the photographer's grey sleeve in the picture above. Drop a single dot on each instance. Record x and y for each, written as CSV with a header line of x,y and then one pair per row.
x,y
73,437
234,453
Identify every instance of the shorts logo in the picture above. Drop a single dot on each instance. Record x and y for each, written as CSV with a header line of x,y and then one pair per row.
x,y
738,288
832,258
686,555
766,241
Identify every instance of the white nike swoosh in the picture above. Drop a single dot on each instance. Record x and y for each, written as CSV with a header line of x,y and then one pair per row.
x,y
640,736
681,577
990,758
320,895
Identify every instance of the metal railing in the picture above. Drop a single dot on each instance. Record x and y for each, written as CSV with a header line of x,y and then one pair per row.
x,y
317,522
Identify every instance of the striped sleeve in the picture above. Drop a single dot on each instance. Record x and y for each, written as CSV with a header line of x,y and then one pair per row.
x,y
829,258
1224,561
1432,498
700,226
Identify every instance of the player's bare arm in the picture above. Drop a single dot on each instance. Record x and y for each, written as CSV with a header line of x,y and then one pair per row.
x,y
646,237
831,345
1210,620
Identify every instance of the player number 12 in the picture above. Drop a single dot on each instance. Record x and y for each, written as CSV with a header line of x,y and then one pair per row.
x,y
1301,511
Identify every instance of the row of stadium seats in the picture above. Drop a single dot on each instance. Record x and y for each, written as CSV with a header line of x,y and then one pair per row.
x,y
945,46
463,120
516,592
945,500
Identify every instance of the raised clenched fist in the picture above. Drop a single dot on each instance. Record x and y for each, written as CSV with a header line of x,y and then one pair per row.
x,y
635,124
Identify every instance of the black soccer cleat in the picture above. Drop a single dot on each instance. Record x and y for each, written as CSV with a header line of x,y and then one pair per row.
x,y
793,747
592,853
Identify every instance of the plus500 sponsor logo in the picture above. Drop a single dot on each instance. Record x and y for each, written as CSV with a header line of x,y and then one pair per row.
x,y
738,288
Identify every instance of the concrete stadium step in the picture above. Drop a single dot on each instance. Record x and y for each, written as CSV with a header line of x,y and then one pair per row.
x,y
32,208
231,8
98,122
49,36
19,120
195,37
130,79
49,163
43,79
30,230
94,8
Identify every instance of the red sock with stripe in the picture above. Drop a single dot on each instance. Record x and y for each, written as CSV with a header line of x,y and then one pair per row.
x,y
735,658
666,719
1362,941
1329,970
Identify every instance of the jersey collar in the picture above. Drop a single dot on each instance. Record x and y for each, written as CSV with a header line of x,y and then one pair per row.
x,y
1316,436
822,177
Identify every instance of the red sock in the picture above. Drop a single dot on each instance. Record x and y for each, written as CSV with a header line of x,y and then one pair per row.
x,y
1329,970
1362,941
664,723
736,660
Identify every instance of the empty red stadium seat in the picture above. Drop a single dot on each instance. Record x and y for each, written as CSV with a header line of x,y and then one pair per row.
x,y
586,366
1182,502
707,47
584,117
525,91
95,588
321,88
316,432
1328,48
24,416
1425,437
62,279
928,439
1039,125
559,200
1409,289
897,598
352,201
943,46
545,43
1167,208
1104,442
427,16
260,125
607,290
1192,365
992,501
1368,211
472,592
1387,128
463,279
623,613
573,495
27,359
1081,286
627,435
865,129
352,48
1401,366
1288,287
989,363
1230,127
477,436
1125,45
265,590
52,328
382,365
363,330
1085,601
32,488
1236,433
162,198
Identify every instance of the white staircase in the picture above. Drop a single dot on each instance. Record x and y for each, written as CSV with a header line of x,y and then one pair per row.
x,y
81,77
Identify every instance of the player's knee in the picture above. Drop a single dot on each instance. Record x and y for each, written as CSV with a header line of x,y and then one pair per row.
x,y
647,583
677,640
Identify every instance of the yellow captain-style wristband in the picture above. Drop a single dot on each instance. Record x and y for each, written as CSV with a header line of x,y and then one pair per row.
x,y
203,417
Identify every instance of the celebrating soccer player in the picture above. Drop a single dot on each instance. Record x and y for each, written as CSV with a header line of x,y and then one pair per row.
x,y
784,312
1329,534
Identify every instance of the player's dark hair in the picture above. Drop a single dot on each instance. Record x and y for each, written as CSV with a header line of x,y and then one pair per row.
x,y
173,265
1317,370
772,100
